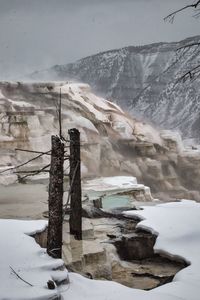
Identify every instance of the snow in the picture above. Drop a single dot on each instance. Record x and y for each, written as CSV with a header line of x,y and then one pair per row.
x,y
115,105
149,133
173,136
20,252
1,95
147,61
81,93
123,125
100,102
178,230
20,103
78,121
114,184
111,183
82,288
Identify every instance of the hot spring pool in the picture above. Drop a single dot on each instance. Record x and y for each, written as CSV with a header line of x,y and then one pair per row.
x,y
113,201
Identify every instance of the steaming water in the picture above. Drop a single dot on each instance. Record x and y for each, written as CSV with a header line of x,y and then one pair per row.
x,y
110,199
114,201
26,201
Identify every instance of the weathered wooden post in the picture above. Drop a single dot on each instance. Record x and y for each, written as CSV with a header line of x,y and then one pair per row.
x,y
75,221
54,238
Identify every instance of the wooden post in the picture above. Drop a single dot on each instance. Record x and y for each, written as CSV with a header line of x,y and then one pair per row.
x,y
75,220
54,238
97,203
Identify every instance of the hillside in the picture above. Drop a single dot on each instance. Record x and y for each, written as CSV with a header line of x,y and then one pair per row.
x,y
143,81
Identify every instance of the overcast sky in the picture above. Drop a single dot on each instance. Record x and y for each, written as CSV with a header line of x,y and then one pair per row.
x,y
36,34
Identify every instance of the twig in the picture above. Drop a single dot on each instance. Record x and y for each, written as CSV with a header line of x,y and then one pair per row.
x,y
20,276
33,151
64,139
36,173
55,249
25,163
32,171
171,16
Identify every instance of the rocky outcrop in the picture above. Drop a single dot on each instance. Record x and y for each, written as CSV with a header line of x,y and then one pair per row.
x,y
112,141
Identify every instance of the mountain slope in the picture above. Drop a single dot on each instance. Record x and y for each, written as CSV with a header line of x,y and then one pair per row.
x,y
143,81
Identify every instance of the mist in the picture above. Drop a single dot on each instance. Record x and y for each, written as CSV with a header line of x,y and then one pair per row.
x,y
38,34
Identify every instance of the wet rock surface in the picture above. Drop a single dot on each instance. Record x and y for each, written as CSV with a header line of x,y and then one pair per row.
x,y
118,251
138,265
146,273
135,246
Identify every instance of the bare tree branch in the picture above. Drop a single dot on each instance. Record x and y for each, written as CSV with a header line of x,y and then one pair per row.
x,y
25,163
33,151
20,277
172,15
35,172
32,172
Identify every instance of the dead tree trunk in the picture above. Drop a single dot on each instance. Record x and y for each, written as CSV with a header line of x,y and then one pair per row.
x,y
75,220
54,238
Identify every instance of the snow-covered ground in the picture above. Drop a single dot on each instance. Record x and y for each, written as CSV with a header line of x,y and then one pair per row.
x,y
21,254
111,183
177,226
102,186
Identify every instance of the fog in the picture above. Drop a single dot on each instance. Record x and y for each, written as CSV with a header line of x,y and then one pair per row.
x,y
36,34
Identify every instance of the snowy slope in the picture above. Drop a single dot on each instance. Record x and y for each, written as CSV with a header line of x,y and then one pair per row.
x,y
142,80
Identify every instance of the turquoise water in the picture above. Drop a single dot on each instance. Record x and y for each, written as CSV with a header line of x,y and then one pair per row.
x,y
113,201
109,199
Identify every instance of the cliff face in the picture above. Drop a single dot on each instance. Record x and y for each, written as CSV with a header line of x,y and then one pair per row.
x,y
143,81
113,143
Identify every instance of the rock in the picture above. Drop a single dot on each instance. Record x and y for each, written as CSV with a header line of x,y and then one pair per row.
x,y
51,285
111,141
130,168
97,203
135,246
